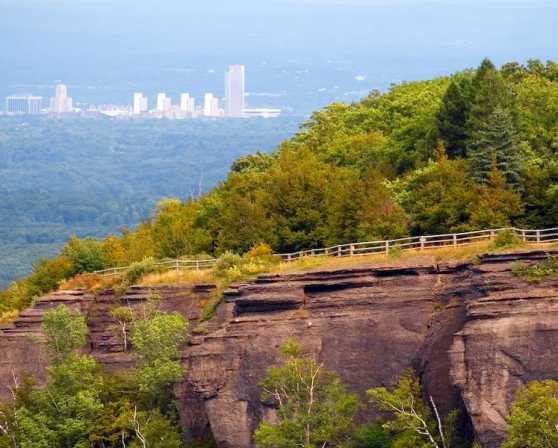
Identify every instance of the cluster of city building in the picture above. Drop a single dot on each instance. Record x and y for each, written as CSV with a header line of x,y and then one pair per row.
x,y
232,105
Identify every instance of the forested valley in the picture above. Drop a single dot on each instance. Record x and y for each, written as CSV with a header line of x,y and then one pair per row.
x,y
90,176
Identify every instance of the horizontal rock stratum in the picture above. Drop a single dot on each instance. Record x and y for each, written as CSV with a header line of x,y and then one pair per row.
x,y
474,333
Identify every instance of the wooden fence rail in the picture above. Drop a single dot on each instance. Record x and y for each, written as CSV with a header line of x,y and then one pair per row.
x,y
539,236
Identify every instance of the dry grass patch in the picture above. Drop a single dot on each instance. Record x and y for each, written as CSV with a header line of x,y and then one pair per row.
x,y
182,277
425,257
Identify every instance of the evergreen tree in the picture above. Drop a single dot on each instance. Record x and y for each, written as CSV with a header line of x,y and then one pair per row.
x,y
495,141
489,92
492,127
452,117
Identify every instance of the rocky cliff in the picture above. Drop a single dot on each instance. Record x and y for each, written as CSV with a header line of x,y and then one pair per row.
x,y
473,332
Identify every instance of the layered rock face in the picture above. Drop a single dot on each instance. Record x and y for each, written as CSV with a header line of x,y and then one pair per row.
x,y
510,338
472,332
368,325
22,350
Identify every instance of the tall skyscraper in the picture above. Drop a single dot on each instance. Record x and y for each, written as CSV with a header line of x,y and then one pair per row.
x,y
235,87
140,104
187,104
210,105
24,104
161,102
61,103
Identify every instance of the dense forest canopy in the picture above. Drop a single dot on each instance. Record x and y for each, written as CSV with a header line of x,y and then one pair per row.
x,y
92,176
473,150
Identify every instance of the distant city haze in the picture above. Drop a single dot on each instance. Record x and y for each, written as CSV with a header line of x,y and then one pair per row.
x,y
300,54
234,104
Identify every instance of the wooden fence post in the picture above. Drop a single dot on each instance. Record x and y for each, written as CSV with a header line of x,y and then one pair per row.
x,y
339,251
352,249
387,247
197,265
454,240
176,265
422,241
538,236
523,235
288,257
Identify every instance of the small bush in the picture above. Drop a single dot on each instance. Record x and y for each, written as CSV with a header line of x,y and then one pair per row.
x,y
211,308
536,272
226,262
506,239
86,280
138,269
262,250
395,251
8,317
200,329
371,436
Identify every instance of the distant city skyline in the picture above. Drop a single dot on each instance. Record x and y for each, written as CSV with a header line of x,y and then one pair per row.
x,y
233,105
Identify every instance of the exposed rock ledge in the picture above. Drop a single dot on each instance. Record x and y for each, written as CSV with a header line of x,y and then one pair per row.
x,y
474,333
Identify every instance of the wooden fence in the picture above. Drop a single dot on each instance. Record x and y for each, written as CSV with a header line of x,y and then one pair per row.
x,y
541,236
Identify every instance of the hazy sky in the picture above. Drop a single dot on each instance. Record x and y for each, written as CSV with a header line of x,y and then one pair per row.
x,y
112,41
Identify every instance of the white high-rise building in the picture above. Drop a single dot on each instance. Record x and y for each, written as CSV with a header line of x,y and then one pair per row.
x,y
235,91
211,105
168,105
161,102
187,104
23,104
61,103
140,104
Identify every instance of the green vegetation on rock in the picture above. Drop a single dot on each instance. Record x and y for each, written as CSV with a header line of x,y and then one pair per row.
x,y
83,406
313,407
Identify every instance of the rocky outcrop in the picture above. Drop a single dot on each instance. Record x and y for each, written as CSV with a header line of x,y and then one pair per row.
x,y
473,332
21,343
369,325
510,338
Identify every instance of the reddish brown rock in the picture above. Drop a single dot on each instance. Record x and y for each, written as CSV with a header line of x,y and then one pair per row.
x,y
21,343
473,332
509,339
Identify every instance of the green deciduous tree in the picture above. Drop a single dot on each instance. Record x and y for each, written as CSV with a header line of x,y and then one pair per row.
x,y
313,407
495,204
85,255
361,208
533,417
414,422
65,331
371,436
437,197
157,341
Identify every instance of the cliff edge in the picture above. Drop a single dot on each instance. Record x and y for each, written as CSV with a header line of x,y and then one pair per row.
x,y
474,333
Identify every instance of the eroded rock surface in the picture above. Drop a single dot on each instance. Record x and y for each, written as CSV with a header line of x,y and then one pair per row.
x,y
473,332
22,342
